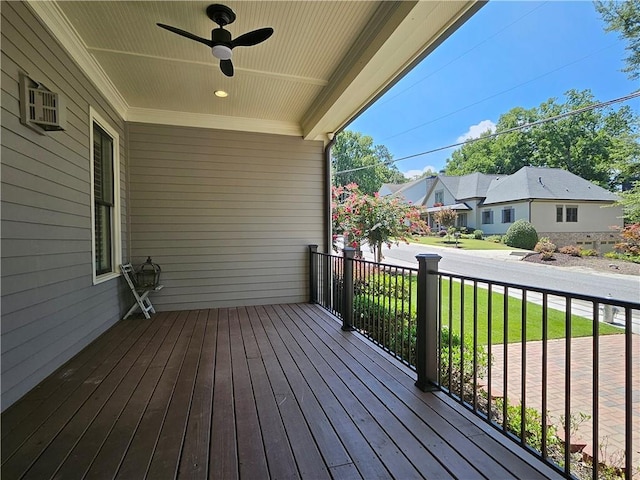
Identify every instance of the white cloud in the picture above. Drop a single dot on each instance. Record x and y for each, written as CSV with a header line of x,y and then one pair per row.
x,y
476,130
415,173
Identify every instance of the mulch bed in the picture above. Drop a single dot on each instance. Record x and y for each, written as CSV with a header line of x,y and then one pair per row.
x,y
600,264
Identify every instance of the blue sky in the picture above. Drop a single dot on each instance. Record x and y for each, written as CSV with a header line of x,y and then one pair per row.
x,y
516,53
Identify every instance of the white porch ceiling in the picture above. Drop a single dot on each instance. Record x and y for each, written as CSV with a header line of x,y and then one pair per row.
x,y
326,61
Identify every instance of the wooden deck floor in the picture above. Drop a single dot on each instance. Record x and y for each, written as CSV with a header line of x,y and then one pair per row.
x,y
257,392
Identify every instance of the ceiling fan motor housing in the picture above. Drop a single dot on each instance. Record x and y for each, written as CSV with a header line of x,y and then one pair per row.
x,y
221,39
221,14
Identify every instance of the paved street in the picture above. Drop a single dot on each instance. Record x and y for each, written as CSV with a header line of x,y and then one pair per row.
x,y
502,265
505,266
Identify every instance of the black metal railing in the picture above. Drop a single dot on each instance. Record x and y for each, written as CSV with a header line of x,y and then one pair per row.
x,y
554,371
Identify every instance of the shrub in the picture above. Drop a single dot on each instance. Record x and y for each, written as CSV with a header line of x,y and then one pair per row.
x,y
545,248
532,425
478,234
450,378
572,250
630,244
442,233
623,256
494,238
589,252
521,234
384,321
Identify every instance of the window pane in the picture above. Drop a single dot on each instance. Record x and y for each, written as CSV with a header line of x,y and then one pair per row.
x,y
107,165
103,188
103,165
572,214
559,212
103,238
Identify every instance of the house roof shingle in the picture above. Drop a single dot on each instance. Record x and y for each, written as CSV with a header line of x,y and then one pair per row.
x,y
539,183
545,184
473,185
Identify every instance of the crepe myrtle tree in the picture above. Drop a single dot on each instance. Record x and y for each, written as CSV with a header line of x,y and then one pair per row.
x,y
373,219
445,217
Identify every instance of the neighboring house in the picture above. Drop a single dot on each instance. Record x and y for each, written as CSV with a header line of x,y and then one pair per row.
x,y
225,194
562,206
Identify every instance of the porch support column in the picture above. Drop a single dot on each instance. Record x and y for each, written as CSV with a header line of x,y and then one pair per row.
x,y
347,288
313,274
427,361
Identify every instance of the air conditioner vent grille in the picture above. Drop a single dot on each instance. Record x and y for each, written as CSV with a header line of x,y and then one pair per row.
x,y
41,109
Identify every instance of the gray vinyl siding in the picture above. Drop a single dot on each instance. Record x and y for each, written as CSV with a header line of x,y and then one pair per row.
x,y
227,215
50,308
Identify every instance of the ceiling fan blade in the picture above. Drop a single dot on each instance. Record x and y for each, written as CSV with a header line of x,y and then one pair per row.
x,y
252,38
227,67
191,36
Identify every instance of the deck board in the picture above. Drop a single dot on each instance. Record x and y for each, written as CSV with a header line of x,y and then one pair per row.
x,y
276,391
194,462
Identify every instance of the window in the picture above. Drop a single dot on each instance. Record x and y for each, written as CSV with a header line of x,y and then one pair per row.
x,y
461,220
105,198
439,197
508,215
570,213
487,217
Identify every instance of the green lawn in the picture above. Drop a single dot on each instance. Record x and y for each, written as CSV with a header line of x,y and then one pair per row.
x,y
556,324
463,243
580,327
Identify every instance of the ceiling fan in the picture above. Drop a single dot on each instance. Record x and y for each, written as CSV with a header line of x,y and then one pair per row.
x,y
221,43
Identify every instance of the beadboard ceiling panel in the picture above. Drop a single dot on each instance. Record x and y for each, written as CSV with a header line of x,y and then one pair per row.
x,y
326,61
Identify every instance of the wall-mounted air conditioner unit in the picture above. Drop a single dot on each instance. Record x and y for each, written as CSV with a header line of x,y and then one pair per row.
x,y
41,109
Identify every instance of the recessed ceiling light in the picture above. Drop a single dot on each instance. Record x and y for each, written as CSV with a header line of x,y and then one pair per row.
x,y
221,93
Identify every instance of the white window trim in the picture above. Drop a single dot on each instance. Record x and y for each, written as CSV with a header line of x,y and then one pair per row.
x,y
116,248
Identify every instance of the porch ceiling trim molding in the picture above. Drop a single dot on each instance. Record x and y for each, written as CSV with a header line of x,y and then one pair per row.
x,y
204,120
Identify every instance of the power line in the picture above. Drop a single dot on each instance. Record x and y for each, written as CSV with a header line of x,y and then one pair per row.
x,y
499,93
387,100
587,108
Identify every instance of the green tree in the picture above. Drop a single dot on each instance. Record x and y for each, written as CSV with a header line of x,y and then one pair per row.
x,y
630,203
473,157
373,219
353,150
624,18
600,145
425,174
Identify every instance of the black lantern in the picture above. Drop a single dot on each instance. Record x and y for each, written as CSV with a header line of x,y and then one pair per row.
x,y
148,274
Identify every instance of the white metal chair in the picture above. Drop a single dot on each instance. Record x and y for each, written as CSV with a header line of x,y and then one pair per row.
x,y
141,294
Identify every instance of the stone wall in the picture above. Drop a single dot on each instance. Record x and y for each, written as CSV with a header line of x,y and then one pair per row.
x,y
602,242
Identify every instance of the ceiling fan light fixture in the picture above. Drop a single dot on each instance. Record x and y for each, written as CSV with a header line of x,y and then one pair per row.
x,y
221,52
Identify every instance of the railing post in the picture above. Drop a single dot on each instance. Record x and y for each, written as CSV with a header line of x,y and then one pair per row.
x,y
427,361
347,288
313,273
